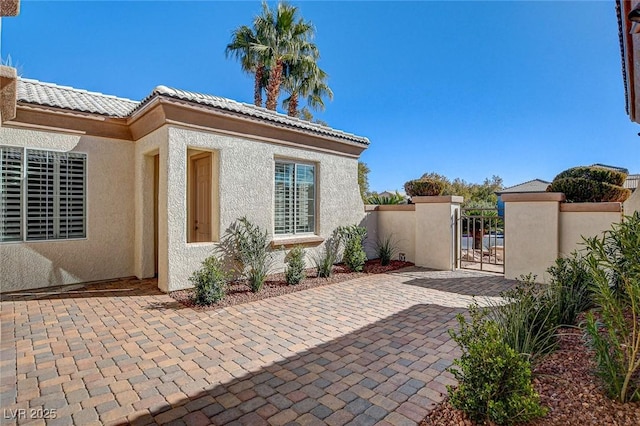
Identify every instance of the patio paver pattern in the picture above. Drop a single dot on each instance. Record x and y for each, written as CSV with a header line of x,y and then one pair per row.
x,y
368,351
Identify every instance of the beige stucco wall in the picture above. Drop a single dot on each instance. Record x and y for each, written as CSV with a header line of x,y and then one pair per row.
x,y
107,252
633,203
435,231
531,238
246,182
145,149
400,225
575,225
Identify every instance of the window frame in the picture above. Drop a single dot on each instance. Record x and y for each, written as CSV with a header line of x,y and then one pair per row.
x,y
24,194
295,162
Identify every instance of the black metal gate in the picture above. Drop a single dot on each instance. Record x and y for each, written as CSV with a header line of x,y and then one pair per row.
x,y
481,243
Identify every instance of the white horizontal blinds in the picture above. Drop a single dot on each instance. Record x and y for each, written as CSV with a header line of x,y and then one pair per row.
x,y
72,196
284,198
41,194
305,198
11,162
56,194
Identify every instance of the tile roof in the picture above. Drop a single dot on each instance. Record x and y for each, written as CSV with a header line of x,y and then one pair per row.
x,y
535,185
47,94
249,110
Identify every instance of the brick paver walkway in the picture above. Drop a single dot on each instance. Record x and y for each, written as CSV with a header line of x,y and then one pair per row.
x,y
367,351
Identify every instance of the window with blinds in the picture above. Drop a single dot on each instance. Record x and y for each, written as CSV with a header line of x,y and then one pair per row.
x,y
11,161
294,198
43,195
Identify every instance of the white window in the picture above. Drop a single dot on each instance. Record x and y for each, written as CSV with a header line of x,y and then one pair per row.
x,y
295,194
43,195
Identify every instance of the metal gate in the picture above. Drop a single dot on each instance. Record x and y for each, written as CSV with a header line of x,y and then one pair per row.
x,y
481,242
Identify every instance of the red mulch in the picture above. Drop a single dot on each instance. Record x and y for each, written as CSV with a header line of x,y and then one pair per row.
x,y
275,285
567,386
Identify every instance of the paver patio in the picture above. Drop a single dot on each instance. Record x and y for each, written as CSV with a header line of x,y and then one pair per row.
x,y
368,351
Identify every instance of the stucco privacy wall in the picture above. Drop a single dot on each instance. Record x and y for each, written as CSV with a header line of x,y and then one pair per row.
x,y
531,233
246,188
435,231
633,203
395,221
539,228
586,220
107,251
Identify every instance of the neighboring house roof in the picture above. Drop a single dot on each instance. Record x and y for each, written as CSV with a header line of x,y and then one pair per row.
x,y
35,92
632,182
535,185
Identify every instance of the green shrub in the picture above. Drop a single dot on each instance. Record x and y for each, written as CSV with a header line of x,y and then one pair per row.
x,y
528,318
251,250
210,282
354,255
599,174
380,200
581,190
494,381
295,271
420,187
386,248
614,263
328,256
571,282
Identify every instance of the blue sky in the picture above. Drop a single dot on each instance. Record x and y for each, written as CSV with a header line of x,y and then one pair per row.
x,y
522,90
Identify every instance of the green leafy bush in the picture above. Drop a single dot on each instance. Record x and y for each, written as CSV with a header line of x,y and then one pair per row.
x,y
210,282
571,282
581,190
599,174
494,380
328,256
386,248
376,199
295,271
528,318
354,255
614,263
251,250
424,186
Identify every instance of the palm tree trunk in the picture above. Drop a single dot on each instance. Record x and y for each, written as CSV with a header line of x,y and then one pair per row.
x,y
273,88
293,105
257,88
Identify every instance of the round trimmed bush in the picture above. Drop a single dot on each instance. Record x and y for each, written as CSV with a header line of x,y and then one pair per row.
x,y
598,174
424,187
582,190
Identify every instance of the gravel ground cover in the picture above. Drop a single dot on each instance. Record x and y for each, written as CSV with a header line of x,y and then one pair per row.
x,y
275,285
567,386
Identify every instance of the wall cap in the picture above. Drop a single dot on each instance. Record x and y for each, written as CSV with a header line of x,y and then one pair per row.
x,y
389,207
438,199
533,197
591,207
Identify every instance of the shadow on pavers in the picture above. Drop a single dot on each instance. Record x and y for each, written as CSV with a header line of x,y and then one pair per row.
x,y
393,365
460,282
113,288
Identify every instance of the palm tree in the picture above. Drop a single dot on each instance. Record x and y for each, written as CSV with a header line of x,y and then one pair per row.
x,y
304,78
283,38
240,47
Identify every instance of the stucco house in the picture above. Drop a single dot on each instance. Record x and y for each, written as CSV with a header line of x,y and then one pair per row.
x,y
96,187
